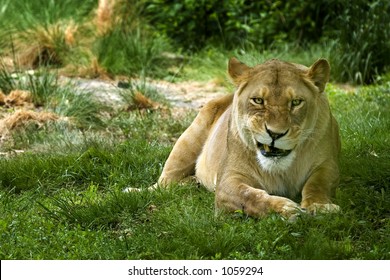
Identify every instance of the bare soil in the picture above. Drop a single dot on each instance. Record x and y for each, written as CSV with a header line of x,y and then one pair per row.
x,y
190,95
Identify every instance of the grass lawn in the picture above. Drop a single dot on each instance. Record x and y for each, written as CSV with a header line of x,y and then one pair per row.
x,y
62,197
65,156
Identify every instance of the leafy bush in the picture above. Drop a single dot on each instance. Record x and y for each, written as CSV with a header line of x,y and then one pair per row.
x,y
359,29
363,35
193,23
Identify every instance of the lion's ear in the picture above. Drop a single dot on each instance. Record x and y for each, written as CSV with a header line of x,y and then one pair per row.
x,y
236,70
319,73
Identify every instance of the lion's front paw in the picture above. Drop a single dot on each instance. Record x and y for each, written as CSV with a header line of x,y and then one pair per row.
x,y
323,208
130,190
284,206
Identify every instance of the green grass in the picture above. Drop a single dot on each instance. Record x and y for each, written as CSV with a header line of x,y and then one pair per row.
x,y
68,203
21,13
211,63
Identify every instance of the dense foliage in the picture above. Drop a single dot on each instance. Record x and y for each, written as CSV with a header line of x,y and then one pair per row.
x,y
193,24
362,32
359,30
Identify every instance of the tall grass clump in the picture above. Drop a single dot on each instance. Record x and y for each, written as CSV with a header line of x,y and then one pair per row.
x,y
42,85
133,52
25,14
82,110
7,82
41,32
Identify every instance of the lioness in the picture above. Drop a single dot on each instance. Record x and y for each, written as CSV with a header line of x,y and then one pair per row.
x,y
274,138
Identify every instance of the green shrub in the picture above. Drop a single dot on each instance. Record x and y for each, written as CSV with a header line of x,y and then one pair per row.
x,y
363,34
359,30
193,23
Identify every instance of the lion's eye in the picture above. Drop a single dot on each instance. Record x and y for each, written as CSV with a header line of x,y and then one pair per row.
x,y
296,102
258,100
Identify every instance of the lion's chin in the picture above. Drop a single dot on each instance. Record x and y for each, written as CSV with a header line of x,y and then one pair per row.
x,y
275,164
272,152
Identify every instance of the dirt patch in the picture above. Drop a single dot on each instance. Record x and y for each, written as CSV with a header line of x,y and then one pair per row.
x,y
187,95
190,94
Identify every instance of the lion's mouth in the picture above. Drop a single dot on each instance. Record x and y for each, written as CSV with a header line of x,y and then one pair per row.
x,y
271,151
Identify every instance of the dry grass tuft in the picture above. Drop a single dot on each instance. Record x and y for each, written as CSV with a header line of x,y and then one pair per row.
x,y
70,34
45,45
41,45
23,117
141,102
16,98
2,98
104,19
91,71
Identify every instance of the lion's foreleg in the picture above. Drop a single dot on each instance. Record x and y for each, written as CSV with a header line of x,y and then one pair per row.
x,y
232,196
319,189
182,159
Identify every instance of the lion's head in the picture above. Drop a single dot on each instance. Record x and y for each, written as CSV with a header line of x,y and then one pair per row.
x,y
277,107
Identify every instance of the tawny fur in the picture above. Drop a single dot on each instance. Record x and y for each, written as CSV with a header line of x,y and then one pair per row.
x,y
276,103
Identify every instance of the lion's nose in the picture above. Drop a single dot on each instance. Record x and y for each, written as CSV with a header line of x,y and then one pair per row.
x,y
275,135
